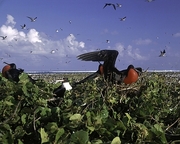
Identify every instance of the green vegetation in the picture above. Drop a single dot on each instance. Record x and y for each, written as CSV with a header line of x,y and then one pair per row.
x,y
92,113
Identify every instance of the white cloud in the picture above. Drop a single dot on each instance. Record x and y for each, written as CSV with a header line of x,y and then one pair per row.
x,y
135,53
10,20
33,36
142,41
34,46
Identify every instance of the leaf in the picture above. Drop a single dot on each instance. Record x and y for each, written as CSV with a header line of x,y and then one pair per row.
x,y
75,117
80,137
59,134
52,127
9,103
20,142
23,119
116,140
44,135
104,113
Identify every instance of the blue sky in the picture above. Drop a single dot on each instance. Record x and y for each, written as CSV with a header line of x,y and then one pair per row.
x,y
149,28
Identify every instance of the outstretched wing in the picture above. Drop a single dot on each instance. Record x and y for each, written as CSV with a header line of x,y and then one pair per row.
x,y
102,55
107,56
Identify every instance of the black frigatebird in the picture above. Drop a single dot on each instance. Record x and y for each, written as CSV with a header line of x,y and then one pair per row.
x,y
108,69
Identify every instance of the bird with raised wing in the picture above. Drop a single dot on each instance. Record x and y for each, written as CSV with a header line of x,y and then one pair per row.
x,y
108,69
23,26
110,4
162,53
3,37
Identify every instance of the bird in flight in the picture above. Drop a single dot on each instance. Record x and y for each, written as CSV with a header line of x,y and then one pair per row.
x,y
162,53
3,37
108,69
123,19
107,41
32,19
23,26
110,4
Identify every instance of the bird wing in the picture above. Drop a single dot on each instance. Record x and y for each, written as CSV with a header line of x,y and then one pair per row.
x,y
105,5
30,18
114,6
102,55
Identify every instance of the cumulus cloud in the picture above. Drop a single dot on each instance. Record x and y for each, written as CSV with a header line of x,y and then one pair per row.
x,y
135,53
35,47
142,41
10,20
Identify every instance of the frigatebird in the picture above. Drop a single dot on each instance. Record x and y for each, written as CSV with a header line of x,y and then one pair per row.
x,y
32,19
109,4
3,37
10,72
108,69
162,53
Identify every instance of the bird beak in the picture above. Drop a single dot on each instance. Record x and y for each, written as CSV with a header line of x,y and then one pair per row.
x,y
5,62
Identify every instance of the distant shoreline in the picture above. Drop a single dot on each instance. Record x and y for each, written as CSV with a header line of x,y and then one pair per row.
x,y
53,72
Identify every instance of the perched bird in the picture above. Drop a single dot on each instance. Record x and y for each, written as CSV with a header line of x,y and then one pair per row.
x,y
3,37
130,75
108,69
123,19
10,72
162,53
23,26
59,91
110,4
32,19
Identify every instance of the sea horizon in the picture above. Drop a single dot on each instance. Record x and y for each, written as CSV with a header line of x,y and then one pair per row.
x,y
88,71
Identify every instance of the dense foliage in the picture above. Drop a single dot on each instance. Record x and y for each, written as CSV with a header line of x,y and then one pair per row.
x,y
95,112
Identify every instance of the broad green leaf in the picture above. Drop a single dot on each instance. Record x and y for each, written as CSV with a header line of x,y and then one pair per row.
x,y
52,127
59,133
9,103
23,119
104,113
20,142
116,140
80,137
75,117
44,136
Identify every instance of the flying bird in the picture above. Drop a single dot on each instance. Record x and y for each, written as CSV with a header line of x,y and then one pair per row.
x,y
110,4
23,26
32,19
107,41
108,69
123,19
162,53
3,37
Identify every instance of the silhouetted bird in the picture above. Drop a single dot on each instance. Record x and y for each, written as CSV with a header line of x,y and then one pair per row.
x,y
110,4
108,69
3,37
23,26
10,72
59,91
162,53
32,19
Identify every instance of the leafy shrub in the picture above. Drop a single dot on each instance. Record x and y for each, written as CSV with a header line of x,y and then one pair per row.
x,y
94,112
